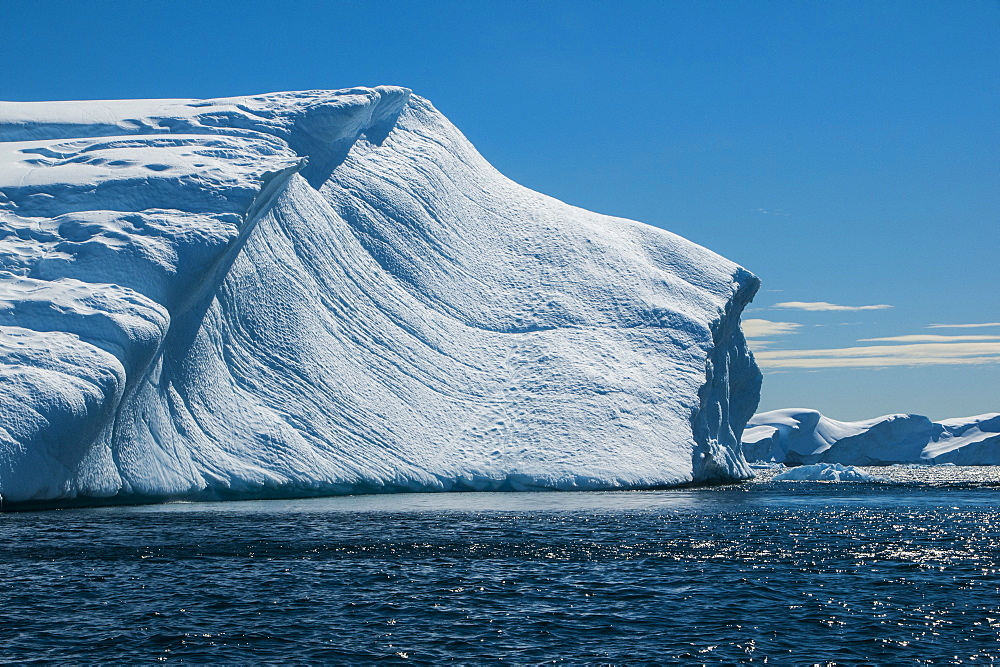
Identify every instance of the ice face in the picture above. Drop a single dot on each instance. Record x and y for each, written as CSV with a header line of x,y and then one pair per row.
x,y
333,292
799,436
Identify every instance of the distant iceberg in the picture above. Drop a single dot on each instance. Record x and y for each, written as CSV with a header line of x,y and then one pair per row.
x,y
825,472
330,292
799,436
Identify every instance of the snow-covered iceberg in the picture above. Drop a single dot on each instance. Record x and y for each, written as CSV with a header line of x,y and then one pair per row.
x,y
799,436
333,292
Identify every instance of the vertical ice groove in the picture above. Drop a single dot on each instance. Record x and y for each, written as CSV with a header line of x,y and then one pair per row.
x,y
730,394
331,291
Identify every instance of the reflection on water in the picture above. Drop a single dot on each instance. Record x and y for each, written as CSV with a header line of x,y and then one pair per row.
x,y
791,572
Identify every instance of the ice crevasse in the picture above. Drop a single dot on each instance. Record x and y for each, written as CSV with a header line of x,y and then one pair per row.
x,y
331,292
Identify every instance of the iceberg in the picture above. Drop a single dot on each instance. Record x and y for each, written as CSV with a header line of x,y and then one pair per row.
x,y
327,292
800,436
825,472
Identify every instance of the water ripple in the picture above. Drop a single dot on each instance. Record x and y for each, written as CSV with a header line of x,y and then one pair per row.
x,y
805,574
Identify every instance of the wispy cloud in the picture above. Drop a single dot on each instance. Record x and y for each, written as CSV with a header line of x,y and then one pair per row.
x,y
875,356
926,338
963,326
825,306
761,328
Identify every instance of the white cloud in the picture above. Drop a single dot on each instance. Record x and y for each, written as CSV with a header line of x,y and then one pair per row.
x,y
963,326
760,328
874,356
926,338
825,306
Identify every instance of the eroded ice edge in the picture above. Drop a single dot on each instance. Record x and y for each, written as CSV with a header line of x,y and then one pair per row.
x,y
332,292
799,436
826,472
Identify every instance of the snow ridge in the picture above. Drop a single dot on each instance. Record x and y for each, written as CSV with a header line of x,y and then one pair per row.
x,y
333,292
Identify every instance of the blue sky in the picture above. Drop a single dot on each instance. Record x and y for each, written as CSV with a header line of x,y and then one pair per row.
x,y
848,153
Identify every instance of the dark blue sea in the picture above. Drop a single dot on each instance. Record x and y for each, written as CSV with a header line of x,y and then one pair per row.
x,y
781,572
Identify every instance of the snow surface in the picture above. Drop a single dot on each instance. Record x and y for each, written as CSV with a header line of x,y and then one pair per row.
x,y
797,436
333,292
825,472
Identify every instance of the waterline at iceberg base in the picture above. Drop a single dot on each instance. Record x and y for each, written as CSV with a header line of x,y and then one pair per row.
x,y
332,292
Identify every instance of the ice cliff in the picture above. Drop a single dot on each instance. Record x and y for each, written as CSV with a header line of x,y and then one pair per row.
x,y
332,292
799,436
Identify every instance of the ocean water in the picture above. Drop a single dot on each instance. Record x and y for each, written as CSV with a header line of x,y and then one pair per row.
x,y
780,572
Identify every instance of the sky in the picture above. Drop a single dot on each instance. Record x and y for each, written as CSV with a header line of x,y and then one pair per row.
x,y
847,153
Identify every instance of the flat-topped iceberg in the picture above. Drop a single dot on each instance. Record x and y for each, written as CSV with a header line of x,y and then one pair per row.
x,y
333,292
799,436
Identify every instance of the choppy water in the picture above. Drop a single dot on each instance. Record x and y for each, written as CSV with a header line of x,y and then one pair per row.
x,y
769,571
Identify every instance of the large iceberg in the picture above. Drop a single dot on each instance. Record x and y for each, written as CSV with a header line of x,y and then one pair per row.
x,y
332,292
800,436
